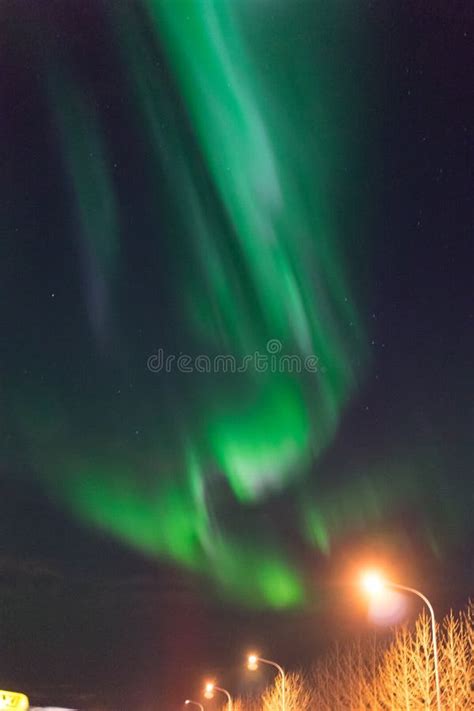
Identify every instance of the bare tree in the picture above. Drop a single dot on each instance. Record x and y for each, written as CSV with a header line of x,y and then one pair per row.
x,y
372,676
298,694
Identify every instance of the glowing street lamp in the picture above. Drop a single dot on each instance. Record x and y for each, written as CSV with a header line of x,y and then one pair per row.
x,y
252,663
374,583
188,702
209,690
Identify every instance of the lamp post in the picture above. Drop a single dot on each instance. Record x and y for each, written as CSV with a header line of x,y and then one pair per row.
x,y
209,690
374,583
252,663
188,702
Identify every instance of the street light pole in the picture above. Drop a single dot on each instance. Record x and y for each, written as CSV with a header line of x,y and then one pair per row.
x,y
252,663
374,583
209,690
194,703
428,604
226,693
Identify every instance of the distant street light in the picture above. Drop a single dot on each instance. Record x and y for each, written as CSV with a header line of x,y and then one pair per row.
x,y
252,663
209,690
374,583
194,703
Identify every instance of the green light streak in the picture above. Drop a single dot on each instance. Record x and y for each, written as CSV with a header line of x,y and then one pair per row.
x,y
240,167
252,461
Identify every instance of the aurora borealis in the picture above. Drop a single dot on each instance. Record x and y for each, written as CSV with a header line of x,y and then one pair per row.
x,y
230,241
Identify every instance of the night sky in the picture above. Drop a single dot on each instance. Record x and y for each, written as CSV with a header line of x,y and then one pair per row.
x,y
216,179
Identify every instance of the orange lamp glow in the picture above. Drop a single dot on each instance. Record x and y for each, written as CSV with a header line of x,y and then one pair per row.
x,y
209,690
252,662
372,582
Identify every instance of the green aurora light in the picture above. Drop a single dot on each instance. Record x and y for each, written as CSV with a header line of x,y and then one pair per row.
x,y
242,147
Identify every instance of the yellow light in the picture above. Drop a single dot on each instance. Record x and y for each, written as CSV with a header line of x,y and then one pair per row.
x,y
252,662
13,700
209,690
372,582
